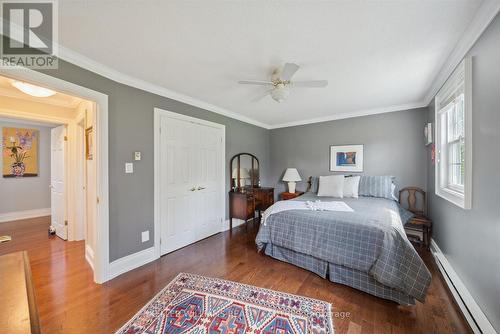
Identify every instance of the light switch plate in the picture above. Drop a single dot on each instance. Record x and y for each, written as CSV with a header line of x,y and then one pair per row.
x,y
137,156
129,167
145,236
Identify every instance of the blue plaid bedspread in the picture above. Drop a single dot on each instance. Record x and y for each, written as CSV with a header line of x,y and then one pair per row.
x,y
371,239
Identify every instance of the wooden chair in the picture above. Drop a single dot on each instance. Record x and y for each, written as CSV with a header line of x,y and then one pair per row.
x,y
419,223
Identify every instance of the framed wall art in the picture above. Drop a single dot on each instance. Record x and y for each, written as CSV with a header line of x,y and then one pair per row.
x,y
20,152
347,158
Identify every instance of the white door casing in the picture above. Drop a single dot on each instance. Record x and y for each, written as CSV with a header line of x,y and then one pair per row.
x,y
57,181
189,203
80,181
100,100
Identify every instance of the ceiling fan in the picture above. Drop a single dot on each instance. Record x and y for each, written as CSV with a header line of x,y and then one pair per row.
x,y
281,83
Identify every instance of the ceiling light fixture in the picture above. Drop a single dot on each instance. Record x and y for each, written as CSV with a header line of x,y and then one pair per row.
x,y
33,90
280,92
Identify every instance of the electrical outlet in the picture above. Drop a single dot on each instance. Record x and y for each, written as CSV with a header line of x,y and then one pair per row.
x,y
129,167
137,156
145,236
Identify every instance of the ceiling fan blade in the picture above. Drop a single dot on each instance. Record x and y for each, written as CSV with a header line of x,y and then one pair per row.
x,y
255,82
261,96
310,83
288,71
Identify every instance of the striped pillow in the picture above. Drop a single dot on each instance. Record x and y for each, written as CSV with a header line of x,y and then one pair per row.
x,y
376,186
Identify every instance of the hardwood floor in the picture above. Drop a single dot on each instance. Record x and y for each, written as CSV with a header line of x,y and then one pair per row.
x,y
69,301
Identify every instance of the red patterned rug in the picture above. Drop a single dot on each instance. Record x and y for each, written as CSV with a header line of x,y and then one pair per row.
x,y
196,304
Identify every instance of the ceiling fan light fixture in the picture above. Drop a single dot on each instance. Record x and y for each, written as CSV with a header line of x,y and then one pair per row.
x,y
281,82
280,93
33,90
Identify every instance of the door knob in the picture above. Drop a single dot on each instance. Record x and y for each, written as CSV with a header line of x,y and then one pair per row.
x,y
192,189
201,188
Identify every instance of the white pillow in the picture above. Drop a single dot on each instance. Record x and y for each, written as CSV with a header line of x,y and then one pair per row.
x,y
332,186
351,186
393,192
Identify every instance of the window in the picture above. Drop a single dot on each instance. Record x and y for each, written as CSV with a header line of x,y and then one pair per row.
x,y
453,137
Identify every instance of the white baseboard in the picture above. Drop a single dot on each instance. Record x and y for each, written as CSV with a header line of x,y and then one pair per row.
x,y
470,309
132,261
89,256
236,222
26,214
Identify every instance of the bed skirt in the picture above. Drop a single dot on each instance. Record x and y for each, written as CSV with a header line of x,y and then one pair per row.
x,y
339,274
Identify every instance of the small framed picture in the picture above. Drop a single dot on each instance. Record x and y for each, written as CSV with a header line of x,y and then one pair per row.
x,y
89,143
347,158
428,133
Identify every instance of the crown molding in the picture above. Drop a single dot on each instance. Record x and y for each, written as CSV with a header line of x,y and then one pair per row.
x,y
358,113
117,76
107,72
484,15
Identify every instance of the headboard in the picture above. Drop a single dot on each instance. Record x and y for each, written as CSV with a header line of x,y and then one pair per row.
x,y
309,184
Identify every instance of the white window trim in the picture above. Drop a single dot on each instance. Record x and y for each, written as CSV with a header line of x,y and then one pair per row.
x,y
463,200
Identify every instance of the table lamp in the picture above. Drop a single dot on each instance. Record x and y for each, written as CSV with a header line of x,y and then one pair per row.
x,y
291,176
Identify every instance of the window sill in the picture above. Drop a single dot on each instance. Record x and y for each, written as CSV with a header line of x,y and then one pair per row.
x,y
454,197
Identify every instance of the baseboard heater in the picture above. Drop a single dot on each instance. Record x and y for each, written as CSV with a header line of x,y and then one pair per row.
x,y
476,319
460,301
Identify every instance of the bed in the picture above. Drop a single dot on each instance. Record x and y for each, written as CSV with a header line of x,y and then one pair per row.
x,y
366,249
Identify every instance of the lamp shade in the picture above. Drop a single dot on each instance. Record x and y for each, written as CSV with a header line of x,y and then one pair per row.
x,y
243,173
291,175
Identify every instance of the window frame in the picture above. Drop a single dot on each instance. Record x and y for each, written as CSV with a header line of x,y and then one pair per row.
x,y
455,194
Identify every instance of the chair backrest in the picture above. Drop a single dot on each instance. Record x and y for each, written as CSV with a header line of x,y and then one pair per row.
x,y
412,201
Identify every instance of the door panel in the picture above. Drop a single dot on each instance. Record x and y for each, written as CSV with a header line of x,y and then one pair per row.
x,y
190,182
210,155
57,183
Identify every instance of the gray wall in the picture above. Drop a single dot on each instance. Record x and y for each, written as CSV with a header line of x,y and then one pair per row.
x,y
31,192
131,129
470,239
393,145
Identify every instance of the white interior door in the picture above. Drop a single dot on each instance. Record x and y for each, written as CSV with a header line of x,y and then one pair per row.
x,y
191,182
57,181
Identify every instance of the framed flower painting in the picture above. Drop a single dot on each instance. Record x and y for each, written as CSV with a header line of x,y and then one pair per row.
x,y
19,152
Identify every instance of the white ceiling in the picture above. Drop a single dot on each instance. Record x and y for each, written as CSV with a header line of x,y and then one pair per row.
x,y
376,55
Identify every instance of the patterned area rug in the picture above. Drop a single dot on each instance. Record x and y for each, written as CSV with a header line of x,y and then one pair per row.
x,y
197,304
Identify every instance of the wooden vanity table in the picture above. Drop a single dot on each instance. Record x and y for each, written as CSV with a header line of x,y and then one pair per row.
x,y
247,196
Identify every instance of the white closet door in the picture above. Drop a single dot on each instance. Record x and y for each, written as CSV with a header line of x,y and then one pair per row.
x,y
190,182
210,154
57,181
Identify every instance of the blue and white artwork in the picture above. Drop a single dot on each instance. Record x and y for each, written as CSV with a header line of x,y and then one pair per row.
x,y
347,158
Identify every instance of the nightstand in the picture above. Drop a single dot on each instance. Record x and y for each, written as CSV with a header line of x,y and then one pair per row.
x,y
286,195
